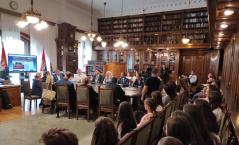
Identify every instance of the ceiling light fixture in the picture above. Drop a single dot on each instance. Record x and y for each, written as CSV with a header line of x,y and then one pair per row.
x,y
121,41
221,34
34,17
185,40
91,34
228,12
104,43
224,26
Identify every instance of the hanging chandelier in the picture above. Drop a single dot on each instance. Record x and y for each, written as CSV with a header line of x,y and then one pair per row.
x,y
91,34
34,17
121,41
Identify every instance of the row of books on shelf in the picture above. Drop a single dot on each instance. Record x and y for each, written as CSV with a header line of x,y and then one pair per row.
x,y
152,24
146,42
133,39
134,42
171,27
105,23
135,30
176,22
120,26
194,20
174,16
198,41
197,25
119,21
136,20
196,36
195,14
170,37
105,32
154,18
152,29
105,27
170,42
136,25
118,31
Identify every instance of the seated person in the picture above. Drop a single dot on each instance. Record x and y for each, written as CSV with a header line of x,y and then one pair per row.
x,y
58,75
49,80
193,77
37,85
139,82
108,77
59,136
123,81
72,92
79,76
98,78
46,73
119,94
171,94
158,97
92,95
5,99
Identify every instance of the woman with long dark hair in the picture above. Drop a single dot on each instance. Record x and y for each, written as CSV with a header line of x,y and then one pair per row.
x,y
126,120
210,118
215,103
158,97
171,93
105,132
196,115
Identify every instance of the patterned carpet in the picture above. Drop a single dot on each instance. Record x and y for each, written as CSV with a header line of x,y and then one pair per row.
x,y
28,130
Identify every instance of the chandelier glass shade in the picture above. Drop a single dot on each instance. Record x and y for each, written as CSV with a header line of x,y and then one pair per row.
x,y
32,16
91,34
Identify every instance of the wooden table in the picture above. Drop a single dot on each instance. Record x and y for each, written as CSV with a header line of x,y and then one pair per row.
x,y
14,93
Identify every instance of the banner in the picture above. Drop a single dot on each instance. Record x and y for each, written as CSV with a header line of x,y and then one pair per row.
x,y
3,66
43,62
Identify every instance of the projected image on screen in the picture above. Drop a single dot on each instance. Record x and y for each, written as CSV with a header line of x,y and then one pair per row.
x,y
22,63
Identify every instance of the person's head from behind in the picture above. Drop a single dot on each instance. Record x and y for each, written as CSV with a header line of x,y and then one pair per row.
x,y
154,71
193,72
169,140
150,105
105,132
213,88
216,83
97,72
178,88
123,75
38,76
170,91
158,97
214,99
58,72
59,136
79,71
85,81
173,84
68,75
46,73
114,80
195,113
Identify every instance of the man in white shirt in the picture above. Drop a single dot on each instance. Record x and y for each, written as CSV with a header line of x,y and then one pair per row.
x,y
80,76
193,78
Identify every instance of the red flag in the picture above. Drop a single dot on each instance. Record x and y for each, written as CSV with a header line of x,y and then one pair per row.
x,y
43,62
3,65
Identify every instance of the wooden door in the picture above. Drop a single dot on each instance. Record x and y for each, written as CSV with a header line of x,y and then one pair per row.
x,y
187,65
197,66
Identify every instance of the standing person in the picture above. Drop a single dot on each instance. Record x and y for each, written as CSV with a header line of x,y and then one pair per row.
x,y
119,94
126,120
79,76
139,81
36,85
193,78
58,75
150,105
164,73
123,81
105,132
72,92
46,73
151,84
108,77
98,78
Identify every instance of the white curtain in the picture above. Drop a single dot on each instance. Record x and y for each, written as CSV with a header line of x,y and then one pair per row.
x,y
129,61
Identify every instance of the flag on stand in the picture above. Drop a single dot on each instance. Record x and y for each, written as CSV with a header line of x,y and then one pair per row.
x,y
3,66
43,62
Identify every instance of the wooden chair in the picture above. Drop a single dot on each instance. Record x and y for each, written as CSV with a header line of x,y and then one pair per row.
x,y
27,93
106,101
178,101
143,133
168,109
128,139
157,128
223,120
62,92
82,100
174,104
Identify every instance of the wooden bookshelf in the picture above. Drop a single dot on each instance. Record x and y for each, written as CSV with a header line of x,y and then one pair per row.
x,y
195,20
152,23
172,22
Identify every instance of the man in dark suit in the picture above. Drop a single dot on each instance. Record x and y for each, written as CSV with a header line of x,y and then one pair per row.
x,y
123,81
57,76
119,94
164,73
139,81
98,78
72,92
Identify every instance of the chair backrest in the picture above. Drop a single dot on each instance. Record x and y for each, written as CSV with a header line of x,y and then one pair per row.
x,y
174,104
62,92
45,86
223,120
106,97
26,88
128,139
168,109
82,94
143,133
178,102
161,85
157,127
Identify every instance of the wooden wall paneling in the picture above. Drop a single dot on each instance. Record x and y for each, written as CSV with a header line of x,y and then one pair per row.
x,y
206,67
197,66
116,68
235,68
187,64
214,62
141,62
